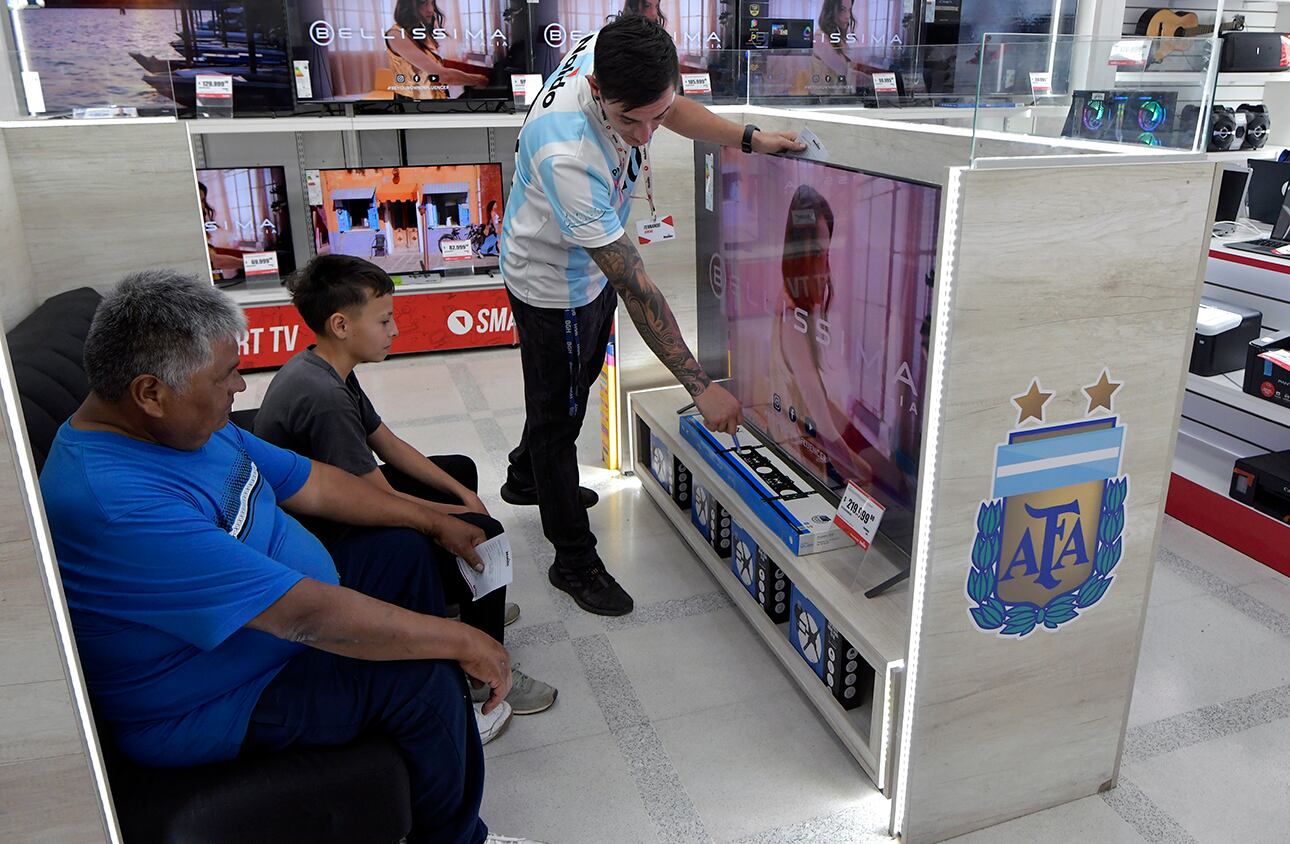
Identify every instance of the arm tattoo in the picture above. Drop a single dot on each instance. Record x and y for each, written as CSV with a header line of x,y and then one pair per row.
x,y
622,264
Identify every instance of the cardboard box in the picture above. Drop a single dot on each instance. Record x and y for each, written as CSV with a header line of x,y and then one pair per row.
x,y
660,462
682,483
772,589
848,677
1269,379
807,631
743,558
712,520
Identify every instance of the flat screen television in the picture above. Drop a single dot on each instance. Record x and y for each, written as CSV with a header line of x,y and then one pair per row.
x,y
396,50
244,211
815,296
410,220
147,54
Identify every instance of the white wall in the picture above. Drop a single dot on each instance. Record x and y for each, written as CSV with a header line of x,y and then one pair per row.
x,y
17,295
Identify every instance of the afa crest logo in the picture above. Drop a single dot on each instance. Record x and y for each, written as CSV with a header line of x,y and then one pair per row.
x,y
1049,538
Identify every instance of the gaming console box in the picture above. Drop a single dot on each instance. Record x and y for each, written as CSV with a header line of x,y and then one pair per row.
x,y
764,580
827,652
786,504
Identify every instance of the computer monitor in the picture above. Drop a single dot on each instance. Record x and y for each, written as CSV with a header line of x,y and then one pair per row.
x,y
1268,183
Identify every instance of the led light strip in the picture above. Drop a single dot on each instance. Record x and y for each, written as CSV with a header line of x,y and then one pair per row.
x,y
54,588
927,484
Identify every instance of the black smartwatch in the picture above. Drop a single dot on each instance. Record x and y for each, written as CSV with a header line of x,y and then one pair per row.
x,y
746,146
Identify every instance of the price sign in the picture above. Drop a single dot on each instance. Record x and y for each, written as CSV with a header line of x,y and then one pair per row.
x,y
696,83
859,515
1041,84
456,250
260,263
885,83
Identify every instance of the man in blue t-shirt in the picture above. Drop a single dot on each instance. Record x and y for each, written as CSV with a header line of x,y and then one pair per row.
x,y
208,621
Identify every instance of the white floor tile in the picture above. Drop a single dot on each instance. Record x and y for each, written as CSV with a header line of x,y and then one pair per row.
x,y
1226,790
1222,560
1167,586
575,714
412,387
576,792
760,764
693,664
1201,651
1088,820
1273,590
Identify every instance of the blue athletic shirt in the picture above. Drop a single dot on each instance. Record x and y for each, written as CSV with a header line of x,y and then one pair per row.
x,y
165,555
571,191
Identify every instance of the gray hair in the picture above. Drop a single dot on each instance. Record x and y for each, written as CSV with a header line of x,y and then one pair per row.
x,y
161,323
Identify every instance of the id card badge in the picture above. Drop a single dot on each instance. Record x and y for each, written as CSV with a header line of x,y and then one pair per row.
x,y
655,231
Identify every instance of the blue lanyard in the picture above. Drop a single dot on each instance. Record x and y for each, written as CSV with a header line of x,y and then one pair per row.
x,y
573,352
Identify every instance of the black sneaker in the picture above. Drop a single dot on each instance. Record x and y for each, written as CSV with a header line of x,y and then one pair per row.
x,y
527,496
593,588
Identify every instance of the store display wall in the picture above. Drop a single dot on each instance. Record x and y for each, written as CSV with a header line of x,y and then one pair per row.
x,y
17,298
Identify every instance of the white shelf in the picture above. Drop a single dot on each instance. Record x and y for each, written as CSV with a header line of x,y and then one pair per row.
x,y
279,295
372,122
878,628
852,727
1218,388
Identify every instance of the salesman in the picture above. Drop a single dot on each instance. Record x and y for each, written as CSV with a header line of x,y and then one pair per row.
x,y
582,155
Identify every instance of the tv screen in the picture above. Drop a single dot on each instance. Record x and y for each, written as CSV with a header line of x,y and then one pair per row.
x,y
147,54
244,211
394,50
819,294
409,219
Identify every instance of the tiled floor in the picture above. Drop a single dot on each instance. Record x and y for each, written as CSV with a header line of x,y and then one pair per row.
x,y
675,724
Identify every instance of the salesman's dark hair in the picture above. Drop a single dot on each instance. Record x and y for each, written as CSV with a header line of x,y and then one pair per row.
x,y
635,62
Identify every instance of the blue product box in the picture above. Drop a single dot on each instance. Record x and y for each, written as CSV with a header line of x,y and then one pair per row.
x,y
807,631
712,520
701,510
743,558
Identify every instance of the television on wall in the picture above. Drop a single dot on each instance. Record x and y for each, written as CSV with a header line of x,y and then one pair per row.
x,y
400,50
244,212
147,54
410,220
815,286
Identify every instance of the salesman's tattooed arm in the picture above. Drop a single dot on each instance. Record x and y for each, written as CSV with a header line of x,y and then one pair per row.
x,y
622,264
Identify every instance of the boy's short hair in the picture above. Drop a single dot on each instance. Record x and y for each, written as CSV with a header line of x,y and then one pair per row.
x,y
332,283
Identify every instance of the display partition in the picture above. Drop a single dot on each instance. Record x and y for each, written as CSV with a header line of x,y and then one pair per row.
x,y
1057,364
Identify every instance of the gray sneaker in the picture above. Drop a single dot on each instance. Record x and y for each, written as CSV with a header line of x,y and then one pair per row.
x,y
527,696
511,615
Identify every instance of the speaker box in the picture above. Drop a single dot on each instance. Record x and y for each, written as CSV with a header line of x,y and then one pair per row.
x,y
1254,52
772,589
1257,125
681,482
848,677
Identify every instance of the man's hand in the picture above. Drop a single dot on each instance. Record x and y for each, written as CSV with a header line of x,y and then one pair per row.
x,y
720,410
458,537
473,504
773,142
487,661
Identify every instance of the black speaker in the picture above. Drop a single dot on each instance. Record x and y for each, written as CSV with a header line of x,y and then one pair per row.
x,y
1257,125
1222,130
1254,52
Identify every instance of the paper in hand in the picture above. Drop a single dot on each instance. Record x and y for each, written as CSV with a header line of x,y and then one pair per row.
x,y
814,146
496,555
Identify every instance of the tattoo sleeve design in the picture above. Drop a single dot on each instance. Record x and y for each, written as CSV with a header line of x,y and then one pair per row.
x,y
622,264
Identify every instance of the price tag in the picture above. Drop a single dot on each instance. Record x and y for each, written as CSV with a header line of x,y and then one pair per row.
x,y
859,516
656,231
524,87
885,83
214,86
1041,84
313,187
455,250
696,83
1130,52
260,263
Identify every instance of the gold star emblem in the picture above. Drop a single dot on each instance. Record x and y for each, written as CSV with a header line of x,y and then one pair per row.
x,y
1032,403
1099,394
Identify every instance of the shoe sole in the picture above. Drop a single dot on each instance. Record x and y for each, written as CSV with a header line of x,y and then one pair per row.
x,y
594,610
543,708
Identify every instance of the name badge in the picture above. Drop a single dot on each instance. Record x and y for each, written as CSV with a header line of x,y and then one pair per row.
x,y
656,231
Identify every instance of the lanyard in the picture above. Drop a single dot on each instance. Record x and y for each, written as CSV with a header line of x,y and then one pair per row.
x,y
624,160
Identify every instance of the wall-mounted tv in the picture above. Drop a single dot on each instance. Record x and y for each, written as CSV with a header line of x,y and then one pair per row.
x,y
405,50
816,286
409,220
244,211
147,54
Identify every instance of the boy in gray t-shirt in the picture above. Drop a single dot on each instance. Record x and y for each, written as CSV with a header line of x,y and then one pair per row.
x,y
316,407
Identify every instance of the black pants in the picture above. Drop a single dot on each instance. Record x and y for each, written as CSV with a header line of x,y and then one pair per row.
x,y
560,364
488,614
319,698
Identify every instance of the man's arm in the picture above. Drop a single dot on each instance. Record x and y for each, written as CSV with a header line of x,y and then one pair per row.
x,y
696,122
622,265
338,496
398,453
349,623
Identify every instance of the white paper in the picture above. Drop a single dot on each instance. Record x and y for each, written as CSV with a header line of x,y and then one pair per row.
x,y
304,84
885,83
496,554
696,83
34,93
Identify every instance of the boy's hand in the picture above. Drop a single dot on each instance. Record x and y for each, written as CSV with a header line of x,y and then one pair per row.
x,y
460,538
473,504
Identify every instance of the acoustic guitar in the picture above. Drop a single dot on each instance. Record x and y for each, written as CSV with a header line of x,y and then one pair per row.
x,y
1167,24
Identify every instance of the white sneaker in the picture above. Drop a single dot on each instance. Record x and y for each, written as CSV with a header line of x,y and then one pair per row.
x,y
493,838
494,723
